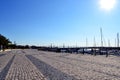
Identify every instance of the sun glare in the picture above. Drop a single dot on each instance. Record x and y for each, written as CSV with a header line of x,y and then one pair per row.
x,y
107,4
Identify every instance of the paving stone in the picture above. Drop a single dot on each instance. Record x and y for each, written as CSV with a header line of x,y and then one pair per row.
x,y
23,69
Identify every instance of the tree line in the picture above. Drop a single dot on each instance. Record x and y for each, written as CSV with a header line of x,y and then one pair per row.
x,y
4,42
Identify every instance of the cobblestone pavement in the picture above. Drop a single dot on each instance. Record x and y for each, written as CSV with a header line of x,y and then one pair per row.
x,y
82,67
50,72
15,66
30,64
5,62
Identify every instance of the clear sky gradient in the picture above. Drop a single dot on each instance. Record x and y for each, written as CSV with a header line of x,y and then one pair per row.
x,y
69,22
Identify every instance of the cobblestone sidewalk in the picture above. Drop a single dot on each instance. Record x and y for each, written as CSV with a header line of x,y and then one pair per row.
x,y
15,66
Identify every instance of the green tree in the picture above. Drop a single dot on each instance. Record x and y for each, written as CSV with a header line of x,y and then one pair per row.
x,y
4,41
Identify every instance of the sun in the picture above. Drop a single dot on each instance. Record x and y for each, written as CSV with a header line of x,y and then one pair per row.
x,y
107,4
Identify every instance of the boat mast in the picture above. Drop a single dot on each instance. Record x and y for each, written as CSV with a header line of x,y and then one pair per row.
x,y
94,42
108,43
101,37
117,39
86,42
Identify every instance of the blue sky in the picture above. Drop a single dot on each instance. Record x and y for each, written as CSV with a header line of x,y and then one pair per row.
x,y
69,22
